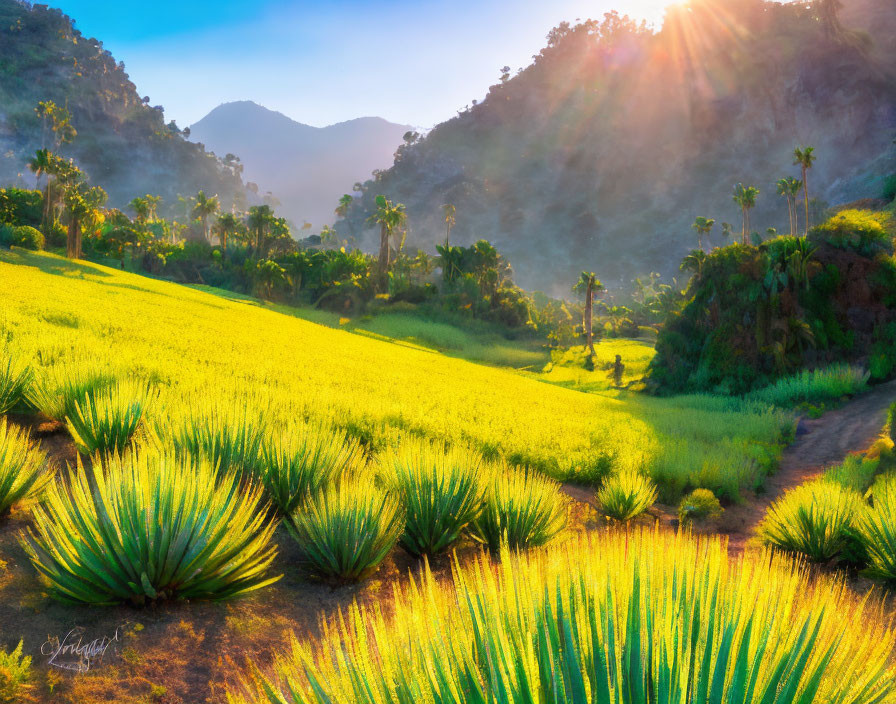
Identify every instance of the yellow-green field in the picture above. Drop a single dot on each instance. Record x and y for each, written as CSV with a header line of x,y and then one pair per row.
x,y
199,347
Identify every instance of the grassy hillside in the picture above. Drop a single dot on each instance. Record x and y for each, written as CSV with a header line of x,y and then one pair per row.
x,y
202,349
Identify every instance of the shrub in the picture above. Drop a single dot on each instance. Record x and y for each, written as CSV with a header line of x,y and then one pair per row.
x,y
301,461
148,527
106,420
347,530
813,519
626,617
522,510
864,231
876,529
855,472
22,467
814,386
15,672
225,435
626,495
699,505
15,379
441,490
55,392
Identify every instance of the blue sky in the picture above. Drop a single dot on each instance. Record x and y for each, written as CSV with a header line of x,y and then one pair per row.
x,y
320,63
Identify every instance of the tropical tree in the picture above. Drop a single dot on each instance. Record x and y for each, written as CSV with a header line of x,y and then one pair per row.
x,y
205,206
745,197
694,262
703,226
590,285
804,157
727,231
60,121
391,218
140,208
788,188
82,206
41,165
259,222
152,205
225,227
450,212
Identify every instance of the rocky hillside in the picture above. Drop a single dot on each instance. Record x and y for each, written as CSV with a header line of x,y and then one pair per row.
x,y
122,142
600,154
307,168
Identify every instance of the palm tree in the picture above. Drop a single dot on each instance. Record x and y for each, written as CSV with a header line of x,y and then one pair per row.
x,y
225,227
590,285
788,188
140,208
390,217
450,213
152,205
745,197
205,206
259,221
703,226
804,158
82,204
694,262
727,231
345,204
40,165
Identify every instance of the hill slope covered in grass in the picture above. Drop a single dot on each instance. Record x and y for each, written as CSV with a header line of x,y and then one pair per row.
x,y
615,138
122,142
204,350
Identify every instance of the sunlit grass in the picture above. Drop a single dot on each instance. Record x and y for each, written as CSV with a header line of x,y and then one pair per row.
x,y
627,617
23,470
230,372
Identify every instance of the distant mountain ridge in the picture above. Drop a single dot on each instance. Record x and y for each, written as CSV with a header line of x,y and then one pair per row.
x,y
306,168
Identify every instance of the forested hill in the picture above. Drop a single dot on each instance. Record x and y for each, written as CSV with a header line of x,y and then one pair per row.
x,y
122,142
601,153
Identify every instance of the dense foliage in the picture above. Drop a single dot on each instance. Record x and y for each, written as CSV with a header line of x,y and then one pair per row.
x,y
623,617
757,313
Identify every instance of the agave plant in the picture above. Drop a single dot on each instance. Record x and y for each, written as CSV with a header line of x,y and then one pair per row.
x,y
22,467
626,495
441,490
55,392
106,420
301,461
622,617
347,530
876,529
228,436
147,527
813,519
15,379
522,509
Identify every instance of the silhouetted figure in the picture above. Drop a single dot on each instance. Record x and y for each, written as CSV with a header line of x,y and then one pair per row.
x,y
618,370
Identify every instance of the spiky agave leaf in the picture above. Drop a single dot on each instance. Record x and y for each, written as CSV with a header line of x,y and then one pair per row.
x,y
442,492
301,461
522,509
812,519
55,391
105,420
626,495
347,530
617,618
23,470
876,528
145,527
15,380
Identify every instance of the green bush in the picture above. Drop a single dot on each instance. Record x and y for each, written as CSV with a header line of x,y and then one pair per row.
x,y
149,527
228,436
347,530
22,467
699,505
15,380
23,236
855,472
522,510
863,231
876,529
442,492
812,387
15,673
891,422
626,495
814,519
301,461
106,419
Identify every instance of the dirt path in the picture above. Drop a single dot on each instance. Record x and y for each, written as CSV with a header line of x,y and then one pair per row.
x,y
820,443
